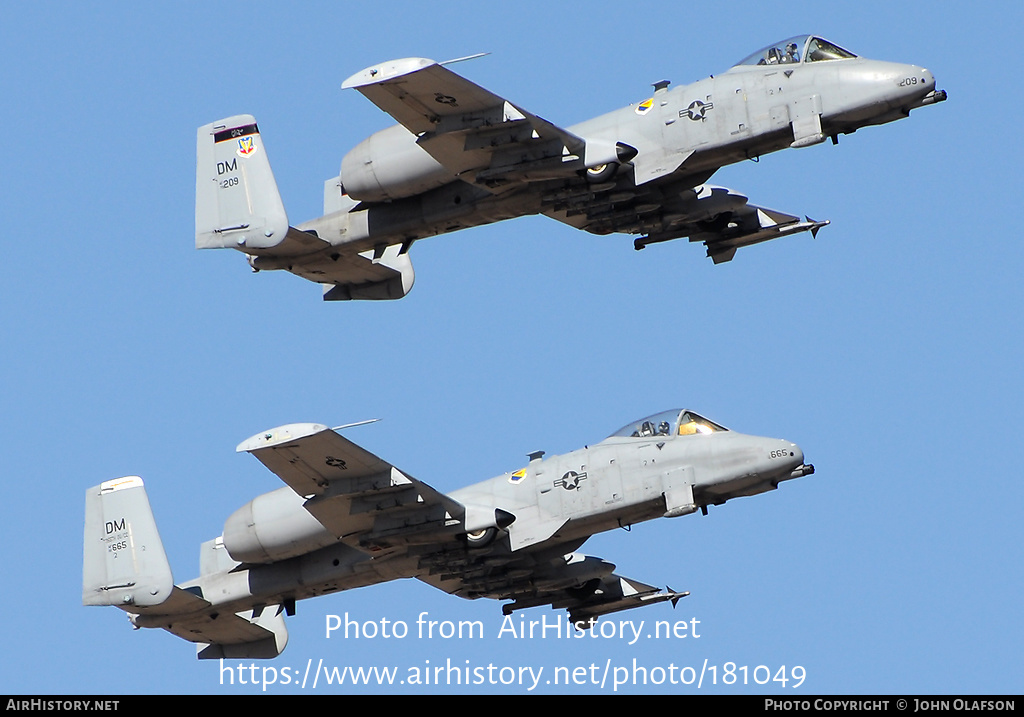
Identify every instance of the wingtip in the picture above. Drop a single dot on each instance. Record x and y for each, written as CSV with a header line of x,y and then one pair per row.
x,y
384,71
279,435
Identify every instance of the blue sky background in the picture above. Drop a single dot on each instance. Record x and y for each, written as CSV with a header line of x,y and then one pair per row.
x,y
889,348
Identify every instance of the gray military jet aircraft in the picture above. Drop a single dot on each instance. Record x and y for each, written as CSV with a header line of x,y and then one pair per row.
x,y
462,156
347,519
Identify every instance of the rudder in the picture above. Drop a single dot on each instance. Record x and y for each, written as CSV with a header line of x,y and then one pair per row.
x,y
124,562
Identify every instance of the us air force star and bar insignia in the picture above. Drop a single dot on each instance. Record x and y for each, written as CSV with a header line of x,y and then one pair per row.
x,y
571,480
336,463
697,110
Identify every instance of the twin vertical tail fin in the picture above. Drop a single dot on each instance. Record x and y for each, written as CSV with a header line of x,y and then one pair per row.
x,y
237,201
124,563
238,206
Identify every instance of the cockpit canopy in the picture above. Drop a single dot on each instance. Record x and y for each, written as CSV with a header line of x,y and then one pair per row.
x,y
802,48
677,422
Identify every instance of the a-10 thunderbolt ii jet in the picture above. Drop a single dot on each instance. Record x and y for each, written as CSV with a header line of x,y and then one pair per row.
x,y
348,519
462,156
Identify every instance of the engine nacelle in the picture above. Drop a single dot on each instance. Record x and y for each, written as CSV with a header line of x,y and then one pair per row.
x,y
390,165
274,526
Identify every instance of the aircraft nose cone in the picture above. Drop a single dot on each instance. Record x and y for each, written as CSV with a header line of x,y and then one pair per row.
x,y
930,95
795,466
929,79
798,454
914,80
783,455
792,453
920,78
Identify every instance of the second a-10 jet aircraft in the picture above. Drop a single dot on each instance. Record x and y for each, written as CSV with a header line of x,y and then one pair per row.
x,y
461,156
347,519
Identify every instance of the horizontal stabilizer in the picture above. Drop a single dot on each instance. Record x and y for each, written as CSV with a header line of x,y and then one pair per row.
x,y
345,275
253,634
182,602
395,277
267,623
257,633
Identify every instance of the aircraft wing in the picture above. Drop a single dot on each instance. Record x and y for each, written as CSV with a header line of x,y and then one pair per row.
x,y
721,218
363,499
480,137
586,586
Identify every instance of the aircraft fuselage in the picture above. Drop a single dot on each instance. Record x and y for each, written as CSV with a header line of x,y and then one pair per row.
x,y
462,156
558,502
685,135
